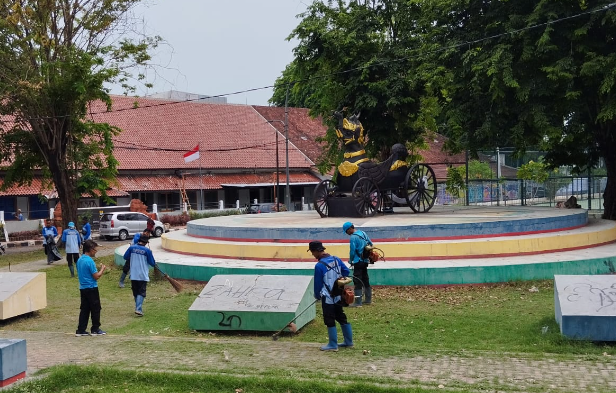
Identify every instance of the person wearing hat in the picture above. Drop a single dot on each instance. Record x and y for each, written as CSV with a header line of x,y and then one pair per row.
x,y
140,259
358,242
19,216
126,267
71,238
326,271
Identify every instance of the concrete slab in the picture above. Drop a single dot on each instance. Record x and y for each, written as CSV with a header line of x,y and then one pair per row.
x,y
253,303
585,306
13,361
21,293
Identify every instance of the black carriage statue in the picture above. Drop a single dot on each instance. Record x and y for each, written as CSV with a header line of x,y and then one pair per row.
x,y
363,188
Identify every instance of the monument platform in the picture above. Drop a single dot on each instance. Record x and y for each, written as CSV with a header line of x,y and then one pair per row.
x,y
448,245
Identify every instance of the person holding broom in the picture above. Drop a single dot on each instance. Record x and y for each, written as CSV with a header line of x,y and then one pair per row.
x,y
140,259
126,267
326,271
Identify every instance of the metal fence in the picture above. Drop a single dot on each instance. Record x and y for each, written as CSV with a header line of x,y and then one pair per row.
x,y
491,192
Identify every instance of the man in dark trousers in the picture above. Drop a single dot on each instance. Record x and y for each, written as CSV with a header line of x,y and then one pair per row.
x,y
326,271
358,242
140,258
88,287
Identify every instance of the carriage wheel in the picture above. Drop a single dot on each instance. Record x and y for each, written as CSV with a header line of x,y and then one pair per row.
x,y
366,197
420,185
324,190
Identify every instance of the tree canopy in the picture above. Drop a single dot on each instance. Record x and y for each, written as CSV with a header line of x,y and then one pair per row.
x,y
55,57
486,73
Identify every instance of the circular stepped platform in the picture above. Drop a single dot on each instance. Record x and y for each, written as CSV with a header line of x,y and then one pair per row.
x,y
446,246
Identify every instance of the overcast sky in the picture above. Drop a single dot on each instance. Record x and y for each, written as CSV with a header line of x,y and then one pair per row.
x,y
220,46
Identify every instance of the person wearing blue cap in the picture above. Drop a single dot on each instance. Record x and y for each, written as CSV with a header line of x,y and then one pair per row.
x,y
358,242
71,238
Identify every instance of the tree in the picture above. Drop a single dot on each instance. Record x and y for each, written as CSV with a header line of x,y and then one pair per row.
x,y
352,56
545,79
55,57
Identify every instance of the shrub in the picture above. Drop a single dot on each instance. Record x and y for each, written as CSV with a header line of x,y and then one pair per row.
x,y
25,235
182,219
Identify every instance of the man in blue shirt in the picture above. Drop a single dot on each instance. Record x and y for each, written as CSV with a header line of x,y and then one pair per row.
x,y
358,242
19,216
326,271
126,267
72,241
140,258
49,233
86,229
88,287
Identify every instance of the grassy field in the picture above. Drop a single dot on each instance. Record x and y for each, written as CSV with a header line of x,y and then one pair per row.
x,y
462,321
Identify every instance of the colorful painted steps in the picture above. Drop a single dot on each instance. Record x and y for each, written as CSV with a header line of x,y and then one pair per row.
x,y
597,232
452,245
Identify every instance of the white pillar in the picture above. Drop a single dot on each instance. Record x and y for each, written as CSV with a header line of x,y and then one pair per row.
x,y
221,204
155,209
254,201
185,207
2,216
51,214
237,204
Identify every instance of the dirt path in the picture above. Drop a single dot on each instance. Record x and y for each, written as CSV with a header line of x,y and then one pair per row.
x,y
256,356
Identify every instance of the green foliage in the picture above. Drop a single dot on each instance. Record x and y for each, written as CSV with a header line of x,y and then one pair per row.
x,y
456,180
535,171
352,56
55,58
544,79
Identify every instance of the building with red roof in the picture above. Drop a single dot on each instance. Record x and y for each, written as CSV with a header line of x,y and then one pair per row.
x,y
242,156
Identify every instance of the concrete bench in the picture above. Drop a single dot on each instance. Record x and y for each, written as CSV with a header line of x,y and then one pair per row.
x,y
13,362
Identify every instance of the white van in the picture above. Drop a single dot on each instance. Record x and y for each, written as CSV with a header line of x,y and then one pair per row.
x,y
125,224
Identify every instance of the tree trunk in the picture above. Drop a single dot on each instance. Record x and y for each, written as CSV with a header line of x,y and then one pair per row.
x,y
66,191
609,196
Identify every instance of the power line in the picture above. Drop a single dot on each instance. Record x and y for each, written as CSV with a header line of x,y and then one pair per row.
x,y
455,46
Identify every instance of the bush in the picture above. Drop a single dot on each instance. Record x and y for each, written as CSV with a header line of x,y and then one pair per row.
x,y
25,235
175,220
181,219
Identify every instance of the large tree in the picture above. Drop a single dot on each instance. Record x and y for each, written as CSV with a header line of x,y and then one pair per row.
x,y
486,73
545,78
55,57
351,56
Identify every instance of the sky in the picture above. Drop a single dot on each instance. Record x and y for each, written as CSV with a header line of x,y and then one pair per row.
x,y
220,46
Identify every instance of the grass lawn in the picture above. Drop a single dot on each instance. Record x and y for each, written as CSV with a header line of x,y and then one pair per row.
x,y
463,321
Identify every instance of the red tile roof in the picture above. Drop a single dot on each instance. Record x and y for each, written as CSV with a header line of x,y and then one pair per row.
x,y
208,182
36,188
303,129
157,133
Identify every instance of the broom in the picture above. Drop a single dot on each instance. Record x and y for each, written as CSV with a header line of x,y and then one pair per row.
x,y
175,284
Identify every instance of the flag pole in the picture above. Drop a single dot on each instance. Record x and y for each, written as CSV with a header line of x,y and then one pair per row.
x,y
200,179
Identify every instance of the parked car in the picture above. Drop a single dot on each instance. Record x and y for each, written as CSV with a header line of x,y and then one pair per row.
x,y
125,224
257,208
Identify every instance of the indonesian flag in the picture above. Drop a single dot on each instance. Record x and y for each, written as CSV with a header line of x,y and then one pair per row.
x,y
192,155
